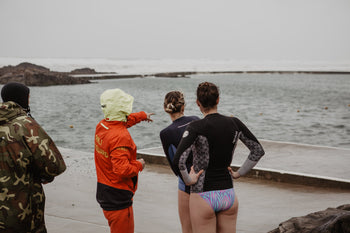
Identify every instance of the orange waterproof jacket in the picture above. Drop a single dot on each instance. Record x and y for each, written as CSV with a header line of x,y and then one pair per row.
x,y
116,165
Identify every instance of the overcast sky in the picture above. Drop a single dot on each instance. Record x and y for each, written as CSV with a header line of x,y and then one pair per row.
x,y
310,30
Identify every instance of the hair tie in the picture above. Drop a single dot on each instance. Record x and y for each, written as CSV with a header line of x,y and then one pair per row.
x,y
170,106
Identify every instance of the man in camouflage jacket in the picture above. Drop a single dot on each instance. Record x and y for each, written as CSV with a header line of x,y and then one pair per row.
x,y
28,159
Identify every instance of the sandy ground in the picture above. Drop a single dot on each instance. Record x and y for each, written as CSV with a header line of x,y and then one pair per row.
x,y
71,205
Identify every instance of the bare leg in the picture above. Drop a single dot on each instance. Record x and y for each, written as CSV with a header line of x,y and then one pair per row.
x,y
184,211
227,219
203,217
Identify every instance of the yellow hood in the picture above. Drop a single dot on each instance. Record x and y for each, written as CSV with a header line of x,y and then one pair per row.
x,y
116,104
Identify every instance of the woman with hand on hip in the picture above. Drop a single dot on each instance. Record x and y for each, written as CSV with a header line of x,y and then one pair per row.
x,y
174,105
213,203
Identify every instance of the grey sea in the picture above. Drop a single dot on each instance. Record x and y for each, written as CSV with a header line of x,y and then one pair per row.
x,y
298,108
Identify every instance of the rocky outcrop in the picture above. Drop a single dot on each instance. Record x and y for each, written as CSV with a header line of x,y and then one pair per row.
x,y
331,220
83,71
174,74
34,75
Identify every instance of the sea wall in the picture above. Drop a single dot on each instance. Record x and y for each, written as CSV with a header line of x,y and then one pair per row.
x,y
283,162
287,162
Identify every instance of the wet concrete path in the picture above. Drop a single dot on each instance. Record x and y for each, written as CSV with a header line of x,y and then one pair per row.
x,y
71,204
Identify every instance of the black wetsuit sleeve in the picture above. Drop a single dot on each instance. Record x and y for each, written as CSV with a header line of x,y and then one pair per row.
x,y
183,150
250,141
166,145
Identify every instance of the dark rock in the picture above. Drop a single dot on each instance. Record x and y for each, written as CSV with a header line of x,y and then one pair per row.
x,y
174,74
22,68
30,66
34,75
331,220
83,71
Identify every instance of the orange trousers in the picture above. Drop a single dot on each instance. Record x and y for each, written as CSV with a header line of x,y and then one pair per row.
x,y
120,221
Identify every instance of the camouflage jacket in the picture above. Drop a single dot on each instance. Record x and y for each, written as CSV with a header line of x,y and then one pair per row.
x,y
28,158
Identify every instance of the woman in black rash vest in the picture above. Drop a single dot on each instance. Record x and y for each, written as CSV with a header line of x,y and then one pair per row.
x,y
174,105
213,204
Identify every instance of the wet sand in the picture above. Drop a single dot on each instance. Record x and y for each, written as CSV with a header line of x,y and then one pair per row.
x,y
71,204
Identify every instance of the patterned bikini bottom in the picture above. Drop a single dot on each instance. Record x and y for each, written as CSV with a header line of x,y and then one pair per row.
x,y
219,200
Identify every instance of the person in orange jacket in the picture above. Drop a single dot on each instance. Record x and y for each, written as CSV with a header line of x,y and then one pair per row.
x,y
115,158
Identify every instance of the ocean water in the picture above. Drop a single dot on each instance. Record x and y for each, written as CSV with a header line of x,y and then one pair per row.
x,y
288,108
299,108
146,66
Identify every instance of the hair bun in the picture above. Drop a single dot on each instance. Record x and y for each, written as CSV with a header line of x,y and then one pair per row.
x,y
170,108
173,102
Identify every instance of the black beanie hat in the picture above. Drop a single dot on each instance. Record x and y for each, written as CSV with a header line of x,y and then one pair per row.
x,y
16,92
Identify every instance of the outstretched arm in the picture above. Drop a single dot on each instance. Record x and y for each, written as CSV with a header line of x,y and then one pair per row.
x,y
137,117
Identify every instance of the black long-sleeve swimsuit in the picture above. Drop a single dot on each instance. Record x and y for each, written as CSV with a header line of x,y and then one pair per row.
x,y
212,141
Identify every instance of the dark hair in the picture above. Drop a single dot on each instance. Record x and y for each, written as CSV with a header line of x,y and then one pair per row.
x,y
173,102
207,94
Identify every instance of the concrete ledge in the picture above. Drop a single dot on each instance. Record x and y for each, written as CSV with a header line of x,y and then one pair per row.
x,y
296,178
156,156
152,158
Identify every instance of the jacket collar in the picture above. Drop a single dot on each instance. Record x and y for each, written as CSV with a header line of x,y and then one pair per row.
x,y
10,110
